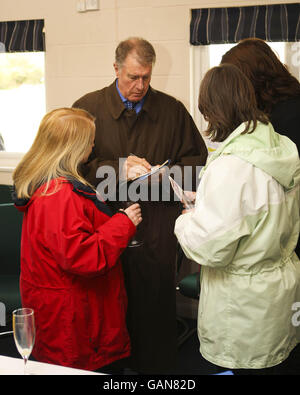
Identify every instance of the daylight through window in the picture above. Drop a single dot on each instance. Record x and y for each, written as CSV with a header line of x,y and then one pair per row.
x,y
22,98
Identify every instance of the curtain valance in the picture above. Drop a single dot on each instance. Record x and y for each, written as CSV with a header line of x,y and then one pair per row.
x,y
280,22
22,36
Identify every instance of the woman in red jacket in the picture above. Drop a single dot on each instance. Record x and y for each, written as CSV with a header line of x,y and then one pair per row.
x,y
71,273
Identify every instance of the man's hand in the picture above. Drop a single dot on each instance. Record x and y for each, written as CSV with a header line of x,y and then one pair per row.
x,y
135,167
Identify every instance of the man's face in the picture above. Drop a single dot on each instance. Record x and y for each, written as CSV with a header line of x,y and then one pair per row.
x,y
133,78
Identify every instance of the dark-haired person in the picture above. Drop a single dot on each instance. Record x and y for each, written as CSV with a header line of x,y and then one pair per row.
x,y
132,117
277,91
243,231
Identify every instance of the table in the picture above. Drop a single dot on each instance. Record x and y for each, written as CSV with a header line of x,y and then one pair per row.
x,y
15,366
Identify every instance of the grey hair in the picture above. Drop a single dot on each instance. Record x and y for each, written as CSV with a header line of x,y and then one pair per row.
x,y
145,53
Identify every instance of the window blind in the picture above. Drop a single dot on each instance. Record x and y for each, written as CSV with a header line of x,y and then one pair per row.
x,y
280,22
22,36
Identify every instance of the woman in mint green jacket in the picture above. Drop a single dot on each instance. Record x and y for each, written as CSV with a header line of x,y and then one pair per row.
x,y
243,231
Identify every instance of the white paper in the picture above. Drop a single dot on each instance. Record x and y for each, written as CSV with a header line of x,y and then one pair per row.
x,y
181,195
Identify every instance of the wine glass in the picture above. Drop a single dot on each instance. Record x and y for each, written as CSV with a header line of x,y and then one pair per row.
x,y
24,332
134,242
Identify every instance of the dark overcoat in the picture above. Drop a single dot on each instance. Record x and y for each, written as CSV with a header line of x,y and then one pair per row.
x,y
162,130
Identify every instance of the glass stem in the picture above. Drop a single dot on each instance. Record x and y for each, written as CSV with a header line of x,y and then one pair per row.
x,y
25,365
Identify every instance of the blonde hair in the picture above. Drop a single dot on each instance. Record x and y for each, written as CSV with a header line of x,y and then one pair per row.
x,y
63,138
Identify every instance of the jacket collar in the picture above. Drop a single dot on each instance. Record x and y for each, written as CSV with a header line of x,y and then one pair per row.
x,y
89,193
116,106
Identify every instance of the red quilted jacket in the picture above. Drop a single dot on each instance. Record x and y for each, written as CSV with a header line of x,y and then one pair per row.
x,y
72,277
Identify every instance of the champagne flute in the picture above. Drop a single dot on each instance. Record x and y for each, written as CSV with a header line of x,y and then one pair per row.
x,y
24,332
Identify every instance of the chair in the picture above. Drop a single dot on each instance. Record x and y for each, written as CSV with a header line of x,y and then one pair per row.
x,y
10,240
5,193
188,286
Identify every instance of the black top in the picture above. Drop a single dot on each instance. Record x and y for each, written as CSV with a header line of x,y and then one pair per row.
x,y
285,118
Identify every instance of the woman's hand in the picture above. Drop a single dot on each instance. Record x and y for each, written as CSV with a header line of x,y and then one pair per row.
x,y
134,213
191,197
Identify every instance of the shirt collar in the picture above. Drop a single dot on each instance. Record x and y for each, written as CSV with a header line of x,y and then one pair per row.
x,y
139,104
121,96
116,106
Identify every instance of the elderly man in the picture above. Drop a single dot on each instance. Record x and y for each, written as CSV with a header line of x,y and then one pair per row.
x,y
132,117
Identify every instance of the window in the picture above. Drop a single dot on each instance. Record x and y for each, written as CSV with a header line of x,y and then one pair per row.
x,y
212,28
22,98
203,57
216,51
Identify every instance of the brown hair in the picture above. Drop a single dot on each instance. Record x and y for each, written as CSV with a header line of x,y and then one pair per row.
x,y
270,77
227,99
144,51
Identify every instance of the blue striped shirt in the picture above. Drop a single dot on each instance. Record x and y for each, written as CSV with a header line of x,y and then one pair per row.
x,y
139,104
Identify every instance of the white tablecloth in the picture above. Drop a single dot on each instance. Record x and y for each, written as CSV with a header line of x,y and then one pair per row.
x,y
15,366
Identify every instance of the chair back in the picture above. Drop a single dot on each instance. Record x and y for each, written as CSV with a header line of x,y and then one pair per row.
x,y
10,241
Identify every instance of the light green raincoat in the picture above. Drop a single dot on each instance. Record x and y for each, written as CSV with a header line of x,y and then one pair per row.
x,y
243,231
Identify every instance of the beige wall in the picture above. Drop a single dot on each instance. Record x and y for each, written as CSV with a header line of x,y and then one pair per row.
x,y
80,46
80,50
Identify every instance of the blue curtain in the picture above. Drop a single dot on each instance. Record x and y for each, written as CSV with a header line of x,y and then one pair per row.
x,y
22,36
280,22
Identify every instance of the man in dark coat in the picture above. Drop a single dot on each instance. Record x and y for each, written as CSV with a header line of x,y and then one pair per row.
x,y
156,129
